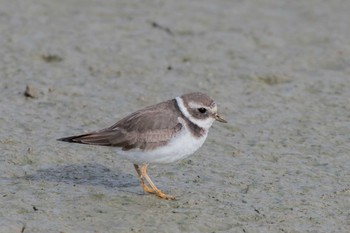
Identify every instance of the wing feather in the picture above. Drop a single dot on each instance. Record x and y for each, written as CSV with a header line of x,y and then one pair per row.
x,y
145,129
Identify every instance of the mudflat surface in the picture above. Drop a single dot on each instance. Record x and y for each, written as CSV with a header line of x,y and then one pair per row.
x,y
280,71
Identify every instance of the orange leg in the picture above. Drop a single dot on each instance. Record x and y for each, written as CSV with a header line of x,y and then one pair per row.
x,y
142,180
156,191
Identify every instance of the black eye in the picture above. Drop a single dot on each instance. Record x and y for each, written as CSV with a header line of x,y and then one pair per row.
x,y
202,110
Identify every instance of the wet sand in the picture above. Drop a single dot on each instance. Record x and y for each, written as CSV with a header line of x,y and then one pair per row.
x,y
279,70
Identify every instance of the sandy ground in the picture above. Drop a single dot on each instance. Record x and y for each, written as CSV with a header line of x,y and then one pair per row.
x,y
280,71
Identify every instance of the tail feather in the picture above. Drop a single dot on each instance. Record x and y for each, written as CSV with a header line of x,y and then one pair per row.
x,y
73,139
101,138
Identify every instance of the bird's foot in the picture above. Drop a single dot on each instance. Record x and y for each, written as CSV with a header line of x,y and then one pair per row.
x,y
162,195
157,192
147,189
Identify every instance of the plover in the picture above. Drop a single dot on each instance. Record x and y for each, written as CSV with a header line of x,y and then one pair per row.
x,y
158,134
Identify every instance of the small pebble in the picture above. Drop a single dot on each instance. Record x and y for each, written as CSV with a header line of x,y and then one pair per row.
x,y
30,92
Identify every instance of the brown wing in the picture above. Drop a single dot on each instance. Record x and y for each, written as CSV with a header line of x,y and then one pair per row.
x,y
145,129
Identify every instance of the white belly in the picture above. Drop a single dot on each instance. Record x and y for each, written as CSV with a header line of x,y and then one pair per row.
x,y
181,146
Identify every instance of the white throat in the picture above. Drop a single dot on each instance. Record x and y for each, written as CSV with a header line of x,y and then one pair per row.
x,y
203,123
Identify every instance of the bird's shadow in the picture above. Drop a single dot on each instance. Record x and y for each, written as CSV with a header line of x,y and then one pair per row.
x,y
84,174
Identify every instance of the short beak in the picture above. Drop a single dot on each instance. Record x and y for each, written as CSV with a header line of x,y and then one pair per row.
x,y
220,119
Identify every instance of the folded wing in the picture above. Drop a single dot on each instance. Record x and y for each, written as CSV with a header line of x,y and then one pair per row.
x,y
145,129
